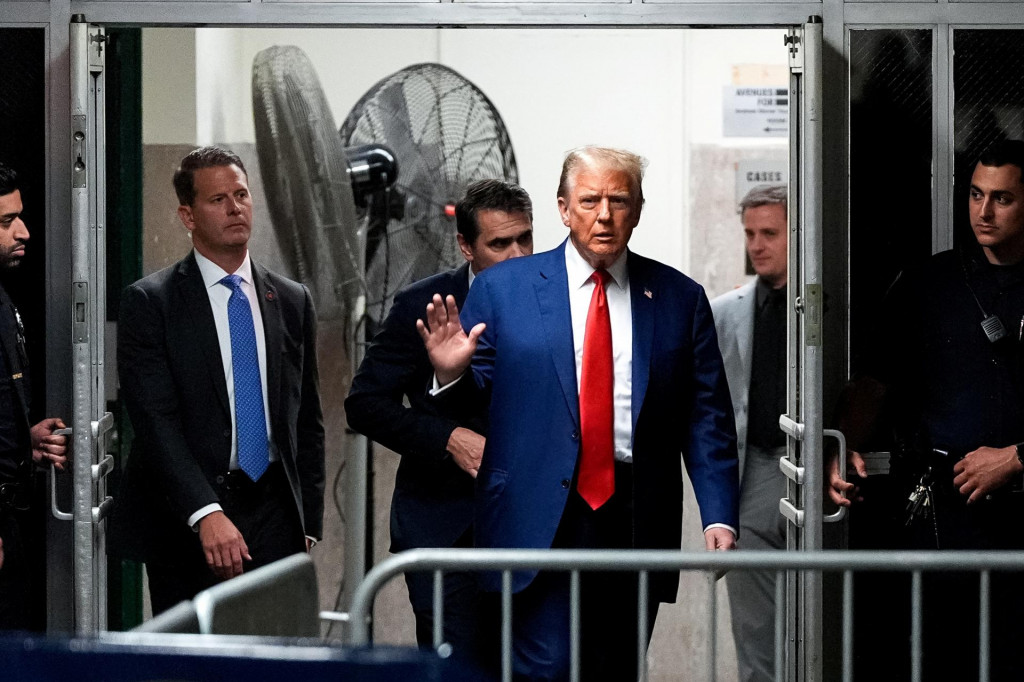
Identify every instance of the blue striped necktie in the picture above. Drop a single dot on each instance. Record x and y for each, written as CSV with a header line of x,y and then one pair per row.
x,y
250,419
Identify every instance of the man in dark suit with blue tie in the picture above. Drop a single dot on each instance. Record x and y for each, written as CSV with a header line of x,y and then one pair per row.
x,y
432,504
601,367
217,364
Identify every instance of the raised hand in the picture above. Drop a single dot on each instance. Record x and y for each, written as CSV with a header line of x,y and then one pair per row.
x,y
450,349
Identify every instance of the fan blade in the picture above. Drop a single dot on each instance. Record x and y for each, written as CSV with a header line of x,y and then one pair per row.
x,y
305,177
445,134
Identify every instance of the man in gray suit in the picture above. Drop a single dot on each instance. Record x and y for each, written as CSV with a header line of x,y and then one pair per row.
x,y
751,325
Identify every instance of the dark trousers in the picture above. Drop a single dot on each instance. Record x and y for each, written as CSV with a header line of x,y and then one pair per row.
x,y
608,600
264,513
463,614
950,608
15,583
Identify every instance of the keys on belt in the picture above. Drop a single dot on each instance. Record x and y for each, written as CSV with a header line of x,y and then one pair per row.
x,y
921,501
920,504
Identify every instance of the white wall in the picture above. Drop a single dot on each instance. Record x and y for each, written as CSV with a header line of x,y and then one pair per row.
x,y
169,86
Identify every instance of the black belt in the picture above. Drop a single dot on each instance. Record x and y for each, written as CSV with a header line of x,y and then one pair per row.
x,y
16,491
237,481
623,475
15,495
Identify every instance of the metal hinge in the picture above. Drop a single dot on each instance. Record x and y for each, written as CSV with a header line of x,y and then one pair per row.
x,y
794,44
97,45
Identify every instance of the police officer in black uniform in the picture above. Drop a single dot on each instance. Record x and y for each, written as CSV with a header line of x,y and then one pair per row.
x,y
950,363
21,445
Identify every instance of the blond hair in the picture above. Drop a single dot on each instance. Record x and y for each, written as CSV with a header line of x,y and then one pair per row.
x,y
631,164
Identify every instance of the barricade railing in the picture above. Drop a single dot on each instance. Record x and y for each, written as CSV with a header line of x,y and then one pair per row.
x,y
644,562
277,600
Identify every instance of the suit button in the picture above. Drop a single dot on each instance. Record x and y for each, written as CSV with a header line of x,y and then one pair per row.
x,y
575,435
219,479
565,483
227,433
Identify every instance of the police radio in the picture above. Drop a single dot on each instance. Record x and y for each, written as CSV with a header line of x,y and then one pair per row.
x,y
990,324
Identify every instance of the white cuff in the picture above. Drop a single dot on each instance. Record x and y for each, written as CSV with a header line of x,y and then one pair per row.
x,y
438,389
722,525
198,516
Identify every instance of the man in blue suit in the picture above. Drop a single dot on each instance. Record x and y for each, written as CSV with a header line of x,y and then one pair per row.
x,y
432,504
597,466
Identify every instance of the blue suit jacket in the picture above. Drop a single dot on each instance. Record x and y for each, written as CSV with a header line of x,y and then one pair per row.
x,y
525,365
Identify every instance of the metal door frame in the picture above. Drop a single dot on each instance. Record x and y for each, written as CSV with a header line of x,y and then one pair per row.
x,y
803,422
87,201
91,422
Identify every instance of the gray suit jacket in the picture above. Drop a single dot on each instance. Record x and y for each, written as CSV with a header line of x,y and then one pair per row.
x,y
734,323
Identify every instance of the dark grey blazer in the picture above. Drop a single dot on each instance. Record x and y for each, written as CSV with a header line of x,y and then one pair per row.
x,y
433,500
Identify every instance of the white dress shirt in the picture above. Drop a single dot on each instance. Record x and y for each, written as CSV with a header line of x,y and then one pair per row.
x,y
620,310
219,295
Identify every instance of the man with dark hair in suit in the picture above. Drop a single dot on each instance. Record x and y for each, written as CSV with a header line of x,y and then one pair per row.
x,y
21,445
600,368
217,364
433,499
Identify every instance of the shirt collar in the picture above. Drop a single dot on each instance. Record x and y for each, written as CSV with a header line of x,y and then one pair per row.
x,y
213,273
579,270
763,290
471,276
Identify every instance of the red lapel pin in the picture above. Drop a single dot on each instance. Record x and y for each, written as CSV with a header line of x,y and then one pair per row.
x,y
270,295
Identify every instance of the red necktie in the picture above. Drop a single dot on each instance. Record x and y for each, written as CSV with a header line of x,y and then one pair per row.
x,y
596,481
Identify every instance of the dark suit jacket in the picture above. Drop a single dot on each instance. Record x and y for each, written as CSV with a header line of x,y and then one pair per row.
x,y
526,363
172,380
433,501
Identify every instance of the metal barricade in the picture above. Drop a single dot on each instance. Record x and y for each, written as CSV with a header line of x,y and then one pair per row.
x,y
277,600
846,563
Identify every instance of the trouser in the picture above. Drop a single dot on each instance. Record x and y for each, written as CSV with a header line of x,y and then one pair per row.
x,y
608,600
752,593
462,609
950,601
14,575
951,611
264,513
